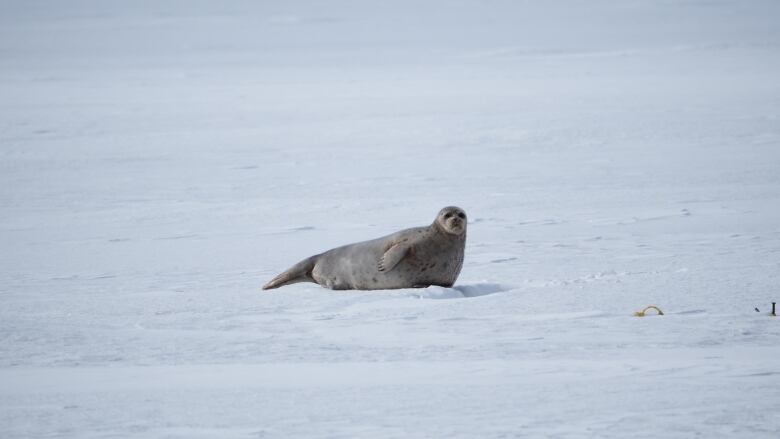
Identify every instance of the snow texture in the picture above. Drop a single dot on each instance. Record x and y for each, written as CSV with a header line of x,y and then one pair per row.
x,y
161,160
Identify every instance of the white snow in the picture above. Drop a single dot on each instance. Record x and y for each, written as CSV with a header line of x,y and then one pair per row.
x,y
160,161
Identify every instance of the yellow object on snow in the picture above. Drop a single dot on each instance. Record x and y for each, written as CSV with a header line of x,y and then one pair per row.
x,y
642,313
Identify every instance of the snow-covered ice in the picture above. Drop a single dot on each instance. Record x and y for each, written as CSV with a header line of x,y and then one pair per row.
x,y
161,160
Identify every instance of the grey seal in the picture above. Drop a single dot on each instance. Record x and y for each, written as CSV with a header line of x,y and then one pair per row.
x,y
412,258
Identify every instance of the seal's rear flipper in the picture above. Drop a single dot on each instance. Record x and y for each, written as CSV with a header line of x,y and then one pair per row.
x,y
300,272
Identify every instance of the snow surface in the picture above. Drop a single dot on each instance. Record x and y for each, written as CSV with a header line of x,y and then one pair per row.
x,y
161,160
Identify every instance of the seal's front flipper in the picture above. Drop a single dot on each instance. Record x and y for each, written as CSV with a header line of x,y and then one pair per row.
x,y
392,257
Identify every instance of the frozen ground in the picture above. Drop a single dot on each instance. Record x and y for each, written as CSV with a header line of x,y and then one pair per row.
x,y
160,161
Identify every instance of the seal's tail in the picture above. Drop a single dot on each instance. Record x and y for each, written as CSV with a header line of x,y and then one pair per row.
x,y
300,272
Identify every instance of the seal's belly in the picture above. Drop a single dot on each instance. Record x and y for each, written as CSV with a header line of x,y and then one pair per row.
x,y
351,274
412,272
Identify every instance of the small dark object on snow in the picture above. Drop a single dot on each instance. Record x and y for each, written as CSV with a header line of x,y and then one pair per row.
x,y
756,309
773,309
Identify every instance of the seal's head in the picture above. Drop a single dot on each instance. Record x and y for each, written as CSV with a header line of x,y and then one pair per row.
x,y
452,220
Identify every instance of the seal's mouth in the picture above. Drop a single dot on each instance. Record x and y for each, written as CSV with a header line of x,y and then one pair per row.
x,y
455,224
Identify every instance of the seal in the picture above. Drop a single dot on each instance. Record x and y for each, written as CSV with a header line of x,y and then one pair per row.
x,y
411,258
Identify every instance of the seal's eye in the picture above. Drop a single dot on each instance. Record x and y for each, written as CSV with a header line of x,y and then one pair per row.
x,y
447,215
462,215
